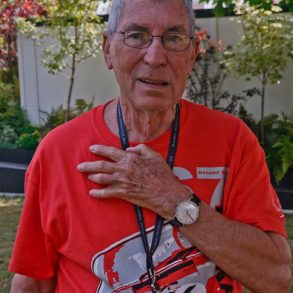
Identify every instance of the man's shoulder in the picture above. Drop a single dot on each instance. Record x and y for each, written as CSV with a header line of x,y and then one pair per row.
x,y
210,117
73,132
72,128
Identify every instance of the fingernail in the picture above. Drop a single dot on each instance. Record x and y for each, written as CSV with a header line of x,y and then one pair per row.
x,y
80,167
92,192
93,148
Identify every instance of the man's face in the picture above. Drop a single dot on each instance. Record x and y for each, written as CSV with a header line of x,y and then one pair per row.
x,y
151,78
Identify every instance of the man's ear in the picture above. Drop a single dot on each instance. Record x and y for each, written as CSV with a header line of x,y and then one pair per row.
x,y
195,51
106,50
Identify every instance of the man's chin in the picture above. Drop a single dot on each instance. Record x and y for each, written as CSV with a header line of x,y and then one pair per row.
x,y
154,103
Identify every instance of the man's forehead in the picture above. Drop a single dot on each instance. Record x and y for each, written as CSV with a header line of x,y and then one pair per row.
x,y
152,1
133,26
149,4
141,14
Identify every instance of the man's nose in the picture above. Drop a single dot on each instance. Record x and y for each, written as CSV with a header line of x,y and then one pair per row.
x,y
155,54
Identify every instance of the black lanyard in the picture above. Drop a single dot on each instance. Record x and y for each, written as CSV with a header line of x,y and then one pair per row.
x,y
139,214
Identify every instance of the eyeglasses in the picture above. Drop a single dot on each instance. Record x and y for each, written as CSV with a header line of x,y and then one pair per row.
x,y
171,41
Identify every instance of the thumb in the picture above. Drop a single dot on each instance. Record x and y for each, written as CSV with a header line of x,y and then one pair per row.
x,y
141,150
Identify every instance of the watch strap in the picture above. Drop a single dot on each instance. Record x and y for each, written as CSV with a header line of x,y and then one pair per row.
x,y
195,199
176,223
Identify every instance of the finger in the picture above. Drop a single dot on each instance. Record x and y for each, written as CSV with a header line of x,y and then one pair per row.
x,y
97,166
142,150
112,153
104,179
107,192
110,192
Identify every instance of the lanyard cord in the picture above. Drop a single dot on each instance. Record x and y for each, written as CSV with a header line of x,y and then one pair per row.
x,y
139,214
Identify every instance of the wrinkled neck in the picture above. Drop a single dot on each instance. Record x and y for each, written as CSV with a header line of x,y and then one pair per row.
x,y
141,125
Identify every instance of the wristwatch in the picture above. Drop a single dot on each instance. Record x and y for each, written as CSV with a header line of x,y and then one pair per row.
x,y
187,211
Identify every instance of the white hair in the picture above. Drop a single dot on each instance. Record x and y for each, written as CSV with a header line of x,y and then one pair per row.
x,y
117,9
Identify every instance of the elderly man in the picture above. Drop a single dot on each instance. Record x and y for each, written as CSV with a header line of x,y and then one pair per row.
x,y
180,196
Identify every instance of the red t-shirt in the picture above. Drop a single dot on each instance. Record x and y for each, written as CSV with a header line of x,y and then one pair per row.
x,y
93,245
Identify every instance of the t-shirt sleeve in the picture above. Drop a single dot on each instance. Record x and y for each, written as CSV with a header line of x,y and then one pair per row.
x,y
249,196
33,253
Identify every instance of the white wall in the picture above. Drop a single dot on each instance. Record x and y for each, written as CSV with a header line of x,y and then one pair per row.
x,y
43,91
279,98
40,90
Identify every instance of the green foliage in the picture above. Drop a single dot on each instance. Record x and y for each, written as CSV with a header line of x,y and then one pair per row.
x,y
205,83
15,128
74,27
2,41
266,46
7,134
76,32
278,144
10,210
8,33
283,149
264,50
28,141
289,229
223,7
14,125
82,106
11,114
58,115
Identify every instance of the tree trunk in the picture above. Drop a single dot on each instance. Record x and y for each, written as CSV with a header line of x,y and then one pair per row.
x,y
262,113
217,43
72,79
10,77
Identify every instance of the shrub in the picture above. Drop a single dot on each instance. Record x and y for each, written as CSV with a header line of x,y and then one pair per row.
x,y
13,119
7,134
206,81
264,50
278,144
58,115
28,141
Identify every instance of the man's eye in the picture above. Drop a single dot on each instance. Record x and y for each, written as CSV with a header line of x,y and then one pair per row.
x,y
175,38
135,36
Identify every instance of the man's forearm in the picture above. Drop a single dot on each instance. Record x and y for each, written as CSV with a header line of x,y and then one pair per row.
x,y
244,252
23,284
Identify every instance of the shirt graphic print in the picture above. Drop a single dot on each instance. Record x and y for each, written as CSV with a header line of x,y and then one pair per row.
x,y
179,266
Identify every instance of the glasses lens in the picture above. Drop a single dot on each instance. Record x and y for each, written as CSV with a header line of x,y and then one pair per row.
x,y
137,39
176,42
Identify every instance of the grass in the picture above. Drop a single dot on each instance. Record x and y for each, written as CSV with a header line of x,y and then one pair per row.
x,y
10,209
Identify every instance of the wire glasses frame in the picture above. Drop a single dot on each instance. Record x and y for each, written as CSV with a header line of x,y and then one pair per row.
x,y
171,41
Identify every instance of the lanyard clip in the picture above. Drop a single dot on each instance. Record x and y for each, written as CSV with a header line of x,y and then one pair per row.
x,y
154,286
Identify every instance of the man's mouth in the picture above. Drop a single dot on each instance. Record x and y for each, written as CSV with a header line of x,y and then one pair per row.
x,y
153,81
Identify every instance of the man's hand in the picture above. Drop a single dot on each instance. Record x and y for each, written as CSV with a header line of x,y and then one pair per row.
x,y
138,175
24,284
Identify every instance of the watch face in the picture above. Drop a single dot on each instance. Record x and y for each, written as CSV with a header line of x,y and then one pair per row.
x,y
187,212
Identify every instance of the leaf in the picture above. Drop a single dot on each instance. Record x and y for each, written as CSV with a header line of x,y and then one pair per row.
x,y
219,9
276,8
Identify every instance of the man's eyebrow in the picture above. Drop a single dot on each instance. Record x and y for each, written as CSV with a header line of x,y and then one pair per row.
x,y
135,27
178,28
